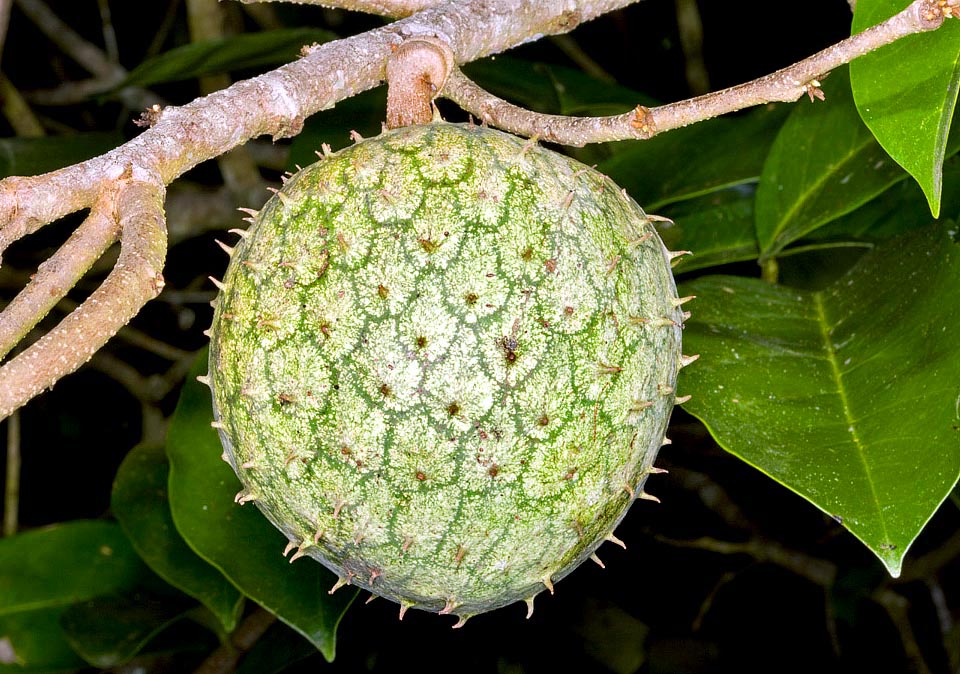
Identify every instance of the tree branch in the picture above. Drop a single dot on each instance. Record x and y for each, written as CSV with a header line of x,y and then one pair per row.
x,y
135,279
785,85
275,104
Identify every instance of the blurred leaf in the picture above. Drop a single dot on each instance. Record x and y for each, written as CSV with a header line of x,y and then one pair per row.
x,y
697,159
240,541
279,648
139,502
33,641
109,631
237,52
718,228
32,156
824,163
847,396
906,93
34,572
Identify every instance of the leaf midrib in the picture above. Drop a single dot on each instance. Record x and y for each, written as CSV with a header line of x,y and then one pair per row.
x,y
773,246
824,327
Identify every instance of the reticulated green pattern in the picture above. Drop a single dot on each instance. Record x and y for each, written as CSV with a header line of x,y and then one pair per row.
x,y
443,362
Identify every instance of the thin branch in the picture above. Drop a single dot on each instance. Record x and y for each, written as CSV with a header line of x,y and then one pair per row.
x,y
818,571
690,28
107,73
573,51
57,275
275,103
225,659
785,85
11,490
5,6
69,41
134,280
25,124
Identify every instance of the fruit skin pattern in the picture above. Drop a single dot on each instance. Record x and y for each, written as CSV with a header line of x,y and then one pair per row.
x,y
443,362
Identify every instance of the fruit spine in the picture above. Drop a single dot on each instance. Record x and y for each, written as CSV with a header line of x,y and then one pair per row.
x,y
443,362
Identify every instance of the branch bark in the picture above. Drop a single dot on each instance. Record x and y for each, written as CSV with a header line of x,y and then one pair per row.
x,y
274,104
785,85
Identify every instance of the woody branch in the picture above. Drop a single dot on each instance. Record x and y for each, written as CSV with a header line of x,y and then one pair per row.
x,y
124,188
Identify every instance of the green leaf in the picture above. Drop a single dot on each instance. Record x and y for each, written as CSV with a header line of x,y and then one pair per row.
x,y
33,641
34,575
109,631
906,93
139,502
717,227
238,52
239,541
848,396
697,159
32,156
900,209
824,164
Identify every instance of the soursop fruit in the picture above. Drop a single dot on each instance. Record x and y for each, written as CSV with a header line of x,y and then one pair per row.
x,y
442,363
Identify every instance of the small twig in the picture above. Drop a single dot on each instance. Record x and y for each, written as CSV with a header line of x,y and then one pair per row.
x,y
690,28
25,124
69,41
57,275
416,72
572,50
135,279
785,85
818,571
106,73
713,496
5,6
225,659
11,491
109,34
897,608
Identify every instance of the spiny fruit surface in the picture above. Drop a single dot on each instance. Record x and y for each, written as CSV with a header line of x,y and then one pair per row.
x,y
443,362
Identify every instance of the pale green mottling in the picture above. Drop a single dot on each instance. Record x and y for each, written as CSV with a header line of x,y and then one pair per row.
x,y
426,360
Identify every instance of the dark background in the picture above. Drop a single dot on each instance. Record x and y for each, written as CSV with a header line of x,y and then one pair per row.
x,y
666,604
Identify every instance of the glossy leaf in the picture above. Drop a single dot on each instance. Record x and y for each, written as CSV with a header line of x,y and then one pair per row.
x,y
237,52
900,209
824,164
32,156
109,631
848,396
65,564
33,641
717,227
906,93
697,159
140,503
237,540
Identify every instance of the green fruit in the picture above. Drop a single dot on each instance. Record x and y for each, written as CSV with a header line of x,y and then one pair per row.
x,y
443,362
